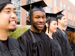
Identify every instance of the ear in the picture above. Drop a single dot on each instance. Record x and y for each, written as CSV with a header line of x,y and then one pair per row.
x,y
59,20
28,18
47,25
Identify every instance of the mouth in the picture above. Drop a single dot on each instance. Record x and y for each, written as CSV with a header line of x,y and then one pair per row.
x,y
55,28
12,22
41,25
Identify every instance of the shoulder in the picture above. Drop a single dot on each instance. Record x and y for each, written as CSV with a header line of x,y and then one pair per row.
x,y
45,35
13,41
24,34
65,31
25,37
57,32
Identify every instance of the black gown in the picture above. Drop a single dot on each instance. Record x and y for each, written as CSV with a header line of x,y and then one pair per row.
x,y
63,40
36,44
73,47
11,48
56,48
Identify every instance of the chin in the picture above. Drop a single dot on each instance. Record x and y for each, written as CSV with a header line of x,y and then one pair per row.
x,y
65,25
40,29
54,31
12,29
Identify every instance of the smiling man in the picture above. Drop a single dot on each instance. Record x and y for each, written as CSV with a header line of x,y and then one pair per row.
x,y
8,20
62,36
35,41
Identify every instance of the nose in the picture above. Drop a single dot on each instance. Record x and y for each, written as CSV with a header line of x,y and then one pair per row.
x,y
42,19
65,19
13,16
56,25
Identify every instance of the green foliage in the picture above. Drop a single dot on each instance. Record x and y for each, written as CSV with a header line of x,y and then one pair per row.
x,y
18,32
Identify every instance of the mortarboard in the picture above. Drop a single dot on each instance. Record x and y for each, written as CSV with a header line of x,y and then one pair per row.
x,y
59,14
5,1
37,6
50,17
70,28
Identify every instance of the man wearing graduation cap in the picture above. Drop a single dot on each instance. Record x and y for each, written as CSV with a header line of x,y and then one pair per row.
x,y
62,36
35,41
8,20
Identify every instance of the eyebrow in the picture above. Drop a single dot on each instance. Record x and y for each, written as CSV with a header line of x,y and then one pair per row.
x,y
39,15
10,8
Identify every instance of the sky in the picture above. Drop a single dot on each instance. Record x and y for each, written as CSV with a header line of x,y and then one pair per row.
x,y
73,1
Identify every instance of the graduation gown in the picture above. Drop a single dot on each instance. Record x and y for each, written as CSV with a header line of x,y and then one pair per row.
x,y
36,44
56,48
13,50
73,47
62,38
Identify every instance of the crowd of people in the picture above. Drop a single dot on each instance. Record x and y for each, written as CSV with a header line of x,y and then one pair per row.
x,y
46,36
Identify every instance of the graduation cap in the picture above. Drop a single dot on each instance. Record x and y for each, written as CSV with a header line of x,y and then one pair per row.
x,y
37,6
59,14
5,1
70,28
50,17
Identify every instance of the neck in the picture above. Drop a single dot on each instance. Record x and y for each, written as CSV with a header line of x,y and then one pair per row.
x,y
3,34
49,34
35,30
60,27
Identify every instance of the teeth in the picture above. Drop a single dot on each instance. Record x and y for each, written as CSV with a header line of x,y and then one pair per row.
x,y
12,22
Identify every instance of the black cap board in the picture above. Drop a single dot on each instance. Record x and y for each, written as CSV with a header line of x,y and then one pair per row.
x,y
5,1
70,28
59,14
36,6
51,16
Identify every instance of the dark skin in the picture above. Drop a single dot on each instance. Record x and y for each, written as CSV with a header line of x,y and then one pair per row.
x,y
38,21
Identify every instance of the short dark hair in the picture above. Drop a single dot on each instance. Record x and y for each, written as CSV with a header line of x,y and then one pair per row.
x,y
3,5
58,18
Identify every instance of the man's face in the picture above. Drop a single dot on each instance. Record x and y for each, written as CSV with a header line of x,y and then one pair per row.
x,y
63,21
38,20
8,18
